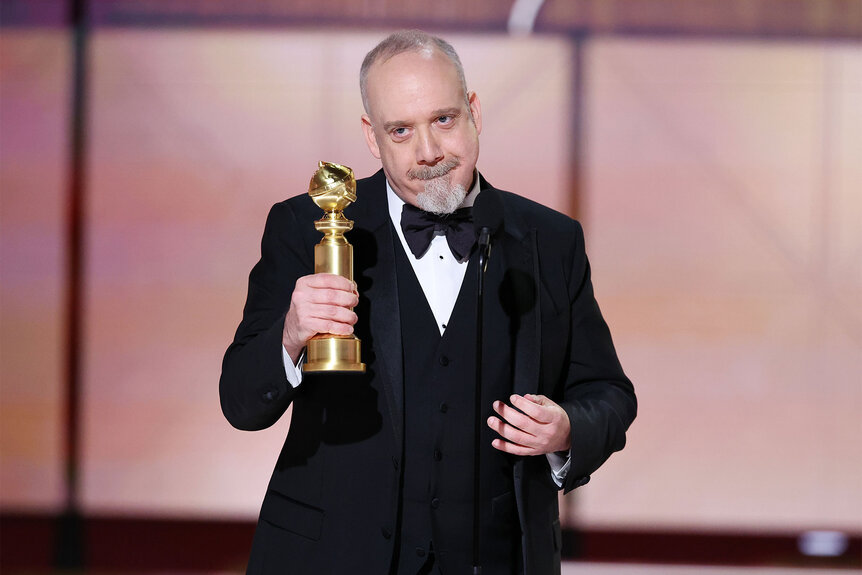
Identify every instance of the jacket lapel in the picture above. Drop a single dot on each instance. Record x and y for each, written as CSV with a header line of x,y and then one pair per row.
x,y
513,268
378,290
518,288
528,337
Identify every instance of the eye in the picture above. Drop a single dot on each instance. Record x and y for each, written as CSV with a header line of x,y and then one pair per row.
x,y
445,119
399,133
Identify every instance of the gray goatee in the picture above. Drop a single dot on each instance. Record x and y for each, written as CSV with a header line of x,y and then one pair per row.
x,y
440,196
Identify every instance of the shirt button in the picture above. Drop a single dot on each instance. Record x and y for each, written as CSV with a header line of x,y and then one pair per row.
x,y
444,361
420,552
443,407
387,534
435,503
438,455
269,395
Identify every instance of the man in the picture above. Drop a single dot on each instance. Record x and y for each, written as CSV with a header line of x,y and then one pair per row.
x,y
375,475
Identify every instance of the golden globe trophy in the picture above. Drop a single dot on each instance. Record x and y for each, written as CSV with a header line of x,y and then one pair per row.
x,y
333,188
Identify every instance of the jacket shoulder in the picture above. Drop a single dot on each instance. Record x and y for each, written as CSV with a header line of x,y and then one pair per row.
x,y
533,215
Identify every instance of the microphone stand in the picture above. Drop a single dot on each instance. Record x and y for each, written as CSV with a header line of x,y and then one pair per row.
x,y
484,254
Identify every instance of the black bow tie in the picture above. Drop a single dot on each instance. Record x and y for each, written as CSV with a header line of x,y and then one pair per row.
x,y
419,228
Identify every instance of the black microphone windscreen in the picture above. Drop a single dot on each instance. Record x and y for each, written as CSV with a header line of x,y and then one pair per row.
x,y
488,211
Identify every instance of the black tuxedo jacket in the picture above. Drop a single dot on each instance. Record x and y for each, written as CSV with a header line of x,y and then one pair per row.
x,y
331,506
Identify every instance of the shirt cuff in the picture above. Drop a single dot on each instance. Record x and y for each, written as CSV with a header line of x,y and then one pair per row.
x,y
291,370
559,466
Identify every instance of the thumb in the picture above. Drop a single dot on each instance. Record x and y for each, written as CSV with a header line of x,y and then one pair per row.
x,y
537,399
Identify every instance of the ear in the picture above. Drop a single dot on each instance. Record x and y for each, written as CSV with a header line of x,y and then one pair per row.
x,y
370,137
475,110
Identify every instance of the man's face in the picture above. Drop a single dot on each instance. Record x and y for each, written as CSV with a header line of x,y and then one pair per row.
x,y
422,129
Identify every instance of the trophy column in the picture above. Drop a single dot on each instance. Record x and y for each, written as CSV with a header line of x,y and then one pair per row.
x,y
333,188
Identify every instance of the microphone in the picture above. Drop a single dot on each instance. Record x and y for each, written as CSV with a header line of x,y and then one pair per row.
x,y
487,221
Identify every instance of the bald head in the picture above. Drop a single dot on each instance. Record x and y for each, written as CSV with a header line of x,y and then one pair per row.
x,y
407,41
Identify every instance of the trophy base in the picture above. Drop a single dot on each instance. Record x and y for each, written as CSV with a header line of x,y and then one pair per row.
x,y
333,353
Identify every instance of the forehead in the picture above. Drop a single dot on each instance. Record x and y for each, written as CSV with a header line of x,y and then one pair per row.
x,y
413,83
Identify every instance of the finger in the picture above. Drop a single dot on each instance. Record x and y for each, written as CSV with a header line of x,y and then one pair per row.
x,y
331,313
305,294
513,416
314,319
510,433
322,311
338,320
323,280
512,448
331,296
315,326
536,410
539,399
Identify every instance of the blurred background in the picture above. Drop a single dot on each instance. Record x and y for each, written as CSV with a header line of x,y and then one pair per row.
x,y
712,150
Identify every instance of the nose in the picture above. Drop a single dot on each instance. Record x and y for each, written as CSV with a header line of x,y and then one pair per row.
x,y
428,150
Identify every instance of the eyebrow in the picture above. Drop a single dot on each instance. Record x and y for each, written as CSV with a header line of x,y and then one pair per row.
x,y
394,124
452,111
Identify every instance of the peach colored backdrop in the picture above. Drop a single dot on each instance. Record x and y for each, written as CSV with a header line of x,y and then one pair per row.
x,y
34,96
722,209
724,216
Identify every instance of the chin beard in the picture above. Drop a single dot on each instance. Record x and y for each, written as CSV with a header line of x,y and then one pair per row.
x,y
440,196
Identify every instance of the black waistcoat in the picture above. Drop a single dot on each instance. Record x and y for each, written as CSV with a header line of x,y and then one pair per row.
x,y
439,375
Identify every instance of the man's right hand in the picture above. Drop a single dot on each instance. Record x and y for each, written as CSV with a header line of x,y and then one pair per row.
x,y
321,303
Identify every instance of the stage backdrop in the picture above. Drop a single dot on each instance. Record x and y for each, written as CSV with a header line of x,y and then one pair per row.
x,y
724,215
719,193
34,122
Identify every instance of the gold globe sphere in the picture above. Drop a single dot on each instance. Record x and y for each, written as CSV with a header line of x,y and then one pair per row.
x,y
332,187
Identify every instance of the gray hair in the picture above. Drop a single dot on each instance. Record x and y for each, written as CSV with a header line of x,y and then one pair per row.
x,y
407,41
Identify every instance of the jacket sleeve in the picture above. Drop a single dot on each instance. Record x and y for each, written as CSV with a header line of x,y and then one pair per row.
x,y
597,395
253,388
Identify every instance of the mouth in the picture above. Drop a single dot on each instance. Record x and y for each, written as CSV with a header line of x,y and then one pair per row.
x,y
436,171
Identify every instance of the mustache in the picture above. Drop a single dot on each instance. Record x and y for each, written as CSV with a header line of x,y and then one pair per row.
x,y
435,171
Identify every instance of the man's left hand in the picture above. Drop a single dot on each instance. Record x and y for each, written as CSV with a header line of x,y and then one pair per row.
x,y
534,426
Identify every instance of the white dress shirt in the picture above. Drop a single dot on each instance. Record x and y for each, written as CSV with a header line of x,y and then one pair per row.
x,y
440,275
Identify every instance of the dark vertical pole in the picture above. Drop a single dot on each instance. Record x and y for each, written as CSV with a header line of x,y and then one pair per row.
x,y
484,249
70,544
